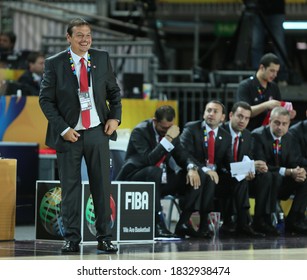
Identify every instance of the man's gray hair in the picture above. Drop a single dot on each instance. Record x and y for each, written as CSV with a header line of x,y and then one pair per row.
x,y
279,111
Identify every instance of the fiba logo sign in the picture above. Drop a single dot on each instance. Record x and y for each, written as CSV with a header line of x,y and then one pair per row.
x,y
90,214
137,201
50,212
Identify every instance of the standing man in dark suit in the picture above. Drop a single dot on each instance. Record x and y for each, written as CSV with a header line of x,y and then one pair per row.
x,y
274,145
259,183
30,80
81,75
155,154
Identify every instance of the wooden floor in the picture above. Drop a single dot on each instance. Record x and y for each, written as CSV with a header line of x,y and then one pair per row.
x,y
25,247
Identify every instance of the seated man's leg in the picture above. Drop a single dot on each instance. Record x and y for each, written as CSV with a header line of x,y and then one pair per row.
x,y
200,200
264,190
295,220
239,197
205,204
153,174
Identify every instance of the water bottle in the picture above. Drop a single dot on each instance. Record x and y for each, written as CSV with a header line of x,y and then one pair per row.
x,y
281,223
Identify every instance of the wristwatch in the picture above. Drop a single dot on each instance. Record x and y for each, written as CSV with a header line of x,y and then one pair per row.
x,y
192,166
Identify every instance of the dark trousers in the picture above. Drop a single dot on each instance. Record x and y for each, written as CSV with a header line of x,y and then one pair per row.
x,y
175,183
233,198
93,144
286,187
265,193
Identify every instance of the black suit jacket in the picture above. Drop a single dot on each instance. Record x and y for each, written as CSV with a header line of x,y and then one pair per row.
x,y
59,95
263,149
143,150
29,85
245,142
299,132
192,139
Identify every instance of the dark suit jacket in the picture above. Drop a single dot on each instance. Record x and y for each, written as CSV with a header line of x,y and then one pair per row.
x,y
263,149
192,139
143,151
59,95
299,132
29,85
245,142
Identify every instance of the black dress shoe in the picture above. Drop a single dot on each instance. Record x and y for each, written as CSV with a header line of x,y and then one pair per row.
x,y
70,247
296,227
247,230
228,229
107,247
162,231
206,234
265,228
187,229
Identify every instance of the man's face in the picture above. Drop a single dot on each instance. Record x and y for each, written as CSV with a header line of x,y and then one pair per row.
x,y
80,40
213,115
279,125
5,43
162,126
240,119
269,73
38,66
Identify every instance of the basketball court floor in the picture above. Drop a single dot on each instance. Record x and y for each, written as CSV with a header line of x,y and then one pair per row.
x,y
287,247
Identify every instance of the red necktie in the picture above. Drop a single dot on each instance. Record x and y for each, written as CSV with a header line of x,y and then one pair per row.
x,y
163,158
85,115
211,147
235,149
276,152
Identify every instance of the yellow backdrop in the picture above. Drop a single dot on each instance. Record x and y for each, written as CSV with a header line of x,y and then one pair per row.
x,y
30,125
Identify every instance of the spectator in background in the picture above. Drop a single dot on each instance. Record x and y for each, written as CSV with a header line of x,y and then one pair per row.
x,y
8,57
30,80
273,13
261,92
7,42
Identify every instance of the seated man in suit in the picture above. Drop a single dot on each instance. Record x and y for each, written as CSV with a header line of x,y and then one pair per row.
x,y
154,154
210,146
30,80
259,183
299,132
274,145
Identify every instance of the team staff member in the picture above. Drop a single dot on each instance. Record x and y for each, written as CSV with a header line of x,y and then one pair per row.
x,y
274,145
74,134
261,92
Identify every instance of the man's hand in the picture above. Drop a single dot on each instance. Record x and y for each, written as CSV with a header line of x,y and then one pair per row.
x,y
250,176
172,132
298,174
271,104
261,166
193,179
213,175
110,126
71,135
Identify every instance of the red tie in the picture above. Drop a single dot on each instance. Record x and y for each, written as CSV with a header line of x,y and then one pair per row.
x,y
85,115
276,152
235,149
211,147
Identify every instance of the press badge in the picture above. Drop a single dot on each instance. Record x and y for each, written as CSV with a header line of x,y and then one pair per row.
x,y
85,101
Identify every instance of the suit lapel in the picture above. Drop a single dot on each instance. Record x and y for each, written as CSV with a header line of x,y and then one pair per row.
x,y
68,70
